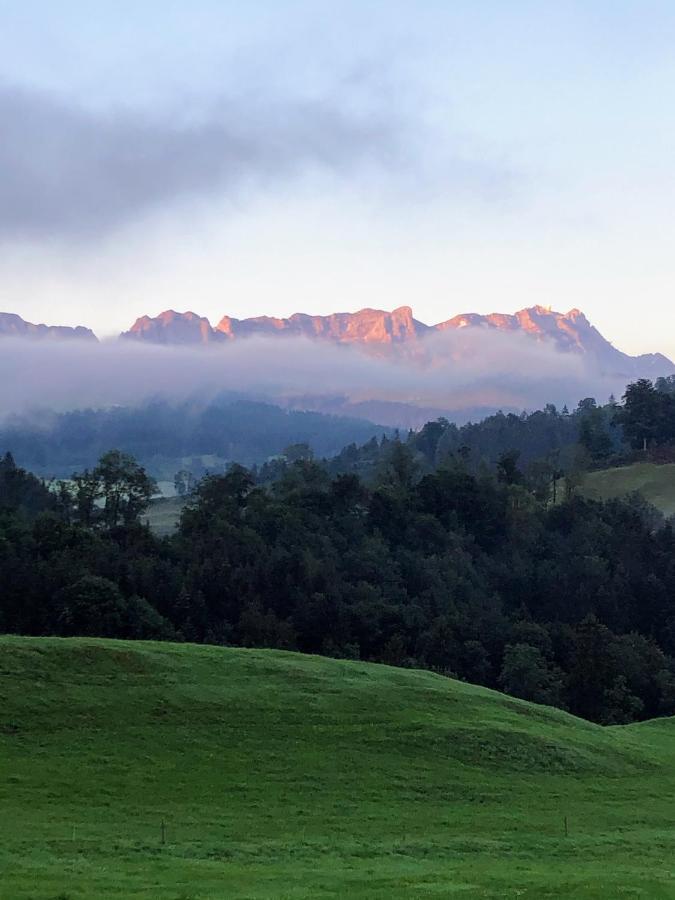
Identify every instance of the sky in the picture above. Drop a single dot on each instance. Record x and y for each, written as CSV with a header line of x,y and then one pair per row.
x,y
281,156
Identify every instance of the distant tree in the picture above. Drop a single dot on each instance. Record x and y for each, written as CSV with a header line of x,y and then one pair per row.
x,y
399,468
426,441
576,471
143,622
532,633
647,415
91,606
621,705
542,478
589,404
507,468
666,385
295,452
259,628
117,490
21,491
594,435
476,665
593,672
440,647
87,491
64,495
526,673
125,487
394,652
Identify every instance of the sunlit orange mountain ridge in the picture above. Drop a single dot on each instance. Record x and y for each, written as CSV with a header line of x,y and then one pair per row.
x,y
382,331
376,331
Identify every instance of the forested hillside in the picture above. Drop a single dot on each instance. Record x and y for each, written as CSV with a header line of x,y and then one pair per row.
x,y
466,573
205,437
544,444
165,437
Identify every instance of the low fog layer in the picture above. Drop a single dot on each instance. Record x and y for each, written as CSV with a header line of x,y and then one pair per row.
x,y
454,371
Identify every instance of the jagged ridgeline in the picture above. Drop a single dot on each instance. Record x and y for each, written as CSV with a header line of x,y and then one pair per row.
x,y
378,329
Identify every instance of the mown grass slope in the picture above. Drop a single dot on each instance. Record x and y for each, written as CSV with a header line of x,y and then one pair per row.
x,y
285,776
656,483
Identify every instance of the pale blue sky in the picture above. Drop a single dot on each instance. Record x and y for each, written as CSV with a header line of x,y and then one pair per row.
x,y
272,157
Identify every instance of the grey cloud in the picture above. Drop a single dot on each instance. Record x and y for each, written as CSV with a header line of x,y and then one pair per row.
x,y
66,170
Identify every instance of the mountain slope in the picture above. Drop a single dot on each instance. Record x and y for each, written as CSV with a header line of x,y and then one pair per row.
x,y
12,325
369,326
570,332
171,327
278,775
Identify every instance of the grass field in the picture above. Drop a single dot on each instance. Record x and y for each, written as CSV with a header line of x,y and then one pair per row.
x,y
655,483
286,776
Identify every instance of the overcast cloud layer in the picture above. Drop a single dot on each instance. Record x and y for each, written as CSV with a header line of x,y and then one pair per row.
x,y
69,170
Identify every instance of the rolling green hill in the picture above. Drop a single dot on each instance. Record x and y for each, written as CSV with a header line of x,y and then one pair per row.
x,y
286,776
655,482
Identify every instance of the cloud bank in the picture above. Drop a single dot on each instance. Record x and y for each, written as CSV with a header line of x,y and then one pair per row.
x,y
471,369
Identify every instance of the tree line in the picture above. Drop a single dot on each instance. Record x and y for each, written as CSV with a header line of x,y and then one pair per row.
x,y
468,571
548,444
167,436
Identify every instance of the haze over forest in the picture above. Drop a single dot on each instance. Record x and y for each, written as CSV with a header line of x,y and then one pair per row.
x,y
387,367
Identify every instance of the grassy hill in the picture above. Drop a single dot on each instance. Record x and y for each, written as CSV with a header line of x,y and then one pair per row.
x,y
656,483
285,776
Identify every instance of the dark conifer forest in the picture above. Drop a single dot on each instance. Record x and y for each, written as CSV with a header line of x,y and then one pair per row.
x,y
419,552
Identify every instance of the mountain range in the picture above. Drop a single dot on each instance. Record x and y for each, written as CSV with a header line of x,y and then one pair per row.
x,y
381,366
377,331
12,325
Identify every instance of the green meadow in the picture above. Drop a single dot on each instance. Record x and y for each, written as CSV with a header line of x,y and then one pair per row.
x,y
141,770
656,483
